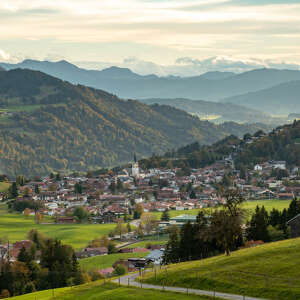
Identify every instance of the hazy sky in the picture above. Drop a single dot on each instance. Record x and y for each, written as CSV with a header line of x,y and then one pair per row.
x,y
150,31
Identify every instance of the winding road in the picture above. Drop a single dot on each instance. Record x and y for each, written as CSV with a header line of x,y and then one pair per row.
x,y
130,280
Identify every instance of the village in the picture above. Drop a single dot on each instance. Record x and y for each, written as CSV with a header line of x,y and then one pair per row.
x,y
127,194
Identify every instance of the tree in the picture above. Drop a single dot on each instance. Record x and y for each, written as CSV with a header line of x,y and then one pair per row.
x,y
37,238
120,228
119,270
27,212
14,190
129,227
111,248
20,180
171,254
36,189
23,256
38,218
294,209
112,187
80,213
193,195
138,211
274,218
149,222
187,242
258,227
226,224
78,188
165,216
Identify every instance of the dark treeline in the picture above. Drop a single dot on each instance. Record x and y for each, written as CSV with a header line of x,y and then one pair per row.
x,y
58,267
269,227
281,144
220,231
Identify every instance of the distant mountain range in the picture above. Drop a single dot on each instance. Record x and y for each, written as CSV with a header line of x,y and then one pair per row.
x,y
212,86
217,112
47,124
280,99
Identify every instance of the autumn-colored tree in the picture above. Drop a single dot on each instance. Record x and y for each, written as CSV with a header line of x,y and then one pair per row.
x,y
27,212
38,218
120,228
149,222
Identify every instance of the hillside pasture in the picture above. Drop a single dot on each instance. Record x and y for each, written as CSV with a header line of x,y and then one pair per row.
x,y
269,271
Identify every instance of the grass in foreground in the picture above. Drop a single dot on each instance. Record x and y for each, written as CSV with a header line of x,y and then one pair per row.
x,y
109,291
269,271
16,227
106,261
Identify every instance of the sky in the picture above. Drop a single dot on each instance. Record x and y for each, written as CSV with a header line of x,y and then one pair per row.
x,y
154,36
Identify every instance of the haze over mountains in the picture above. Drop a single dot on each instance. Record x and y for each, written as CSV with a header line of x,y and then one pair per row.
x,y
47,124
280,99
215,111
212,86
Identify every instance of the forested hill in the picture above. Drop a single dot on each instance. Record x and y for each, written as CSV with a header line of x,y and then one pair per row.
x,y
47,125
282,143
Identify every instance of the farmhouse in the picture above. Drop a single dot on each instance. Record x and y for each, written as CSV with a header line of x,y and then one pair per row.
x,y
295,226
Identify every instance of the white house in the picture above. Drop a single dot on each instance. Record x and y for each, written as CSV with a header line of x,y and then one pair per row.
x,y
258,168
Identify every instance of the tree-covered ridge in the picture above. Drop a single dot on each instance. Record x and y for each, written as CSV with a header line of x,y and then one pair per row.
x,y
283,143
78,128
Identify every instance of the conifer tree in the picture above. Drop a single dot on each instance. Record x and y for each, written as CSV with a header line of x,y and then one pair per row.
x,y
165,215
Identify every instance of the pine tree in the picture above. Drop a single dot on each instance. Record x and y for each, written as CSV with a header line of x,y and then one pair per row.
x,y
171,254
294,209
14,190
36,189
129,227
193,195
258,226
165,216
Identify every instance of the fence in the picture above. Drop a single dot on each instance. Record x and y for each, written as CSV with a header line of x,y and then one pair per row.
x,y
235,282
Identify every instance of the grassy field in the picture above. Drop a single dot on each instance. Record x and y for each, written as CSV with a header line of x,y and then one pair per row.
x,y
269,204
109,291
143,244
4,186
270,271
249,205
106,261
16,227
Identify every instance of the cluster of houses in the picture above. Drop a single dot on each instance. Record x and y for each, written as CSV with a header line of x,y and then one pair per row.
x,y
110,196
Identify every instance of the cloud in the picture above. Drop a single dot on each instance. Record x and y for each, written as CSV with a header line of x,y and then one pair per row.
x,y
154,30
187,66
4,56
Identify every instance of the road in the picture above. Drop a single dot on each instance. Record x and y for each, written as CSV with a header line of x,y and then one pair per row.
x,y
130,280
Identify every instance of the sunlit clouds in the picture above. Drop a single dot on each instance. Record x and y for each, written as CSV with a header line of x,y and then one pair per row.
x,y
156,31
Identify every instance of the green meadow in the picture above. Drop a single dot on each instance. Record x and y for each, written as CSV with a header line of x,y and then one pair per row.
x,y
4,186
144,244
269,271
16,226
108,291
249,205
